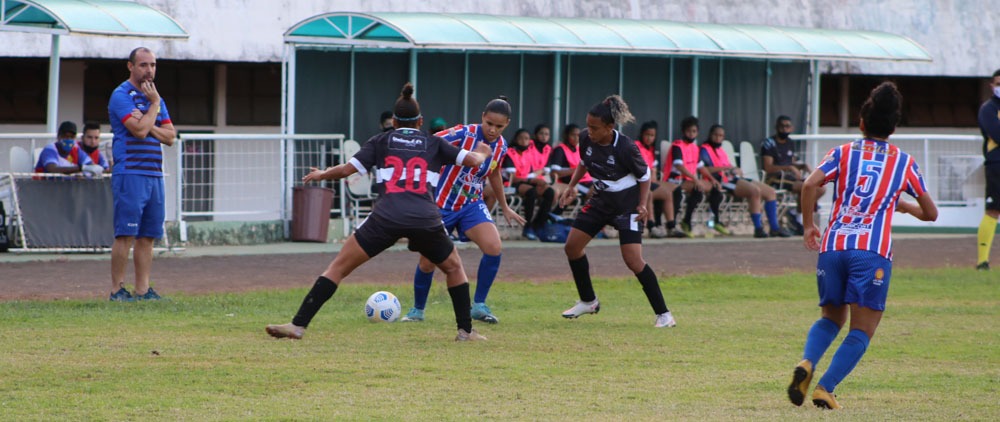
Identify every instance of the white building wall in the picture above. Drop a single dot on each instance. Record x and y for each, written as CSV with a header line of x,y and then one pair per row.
x,y
959,34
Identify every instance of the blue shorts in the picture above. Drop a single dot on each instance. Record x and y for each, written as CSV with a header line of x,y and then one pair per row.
x,y
471,215
855,276
139,205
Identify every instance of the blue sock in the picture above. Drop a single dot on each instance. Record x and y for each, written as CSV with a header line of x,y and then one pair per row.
x,y
756,220
771,208
820,336
488,267
421,287
846,358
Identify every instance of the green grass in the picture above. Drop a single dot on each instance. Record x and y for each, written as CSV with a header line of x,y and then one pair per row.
x,y
935,357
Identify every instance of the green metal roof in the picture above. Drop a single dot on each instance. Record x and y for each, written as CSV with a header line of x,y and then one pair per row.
x,y
94,17
473,32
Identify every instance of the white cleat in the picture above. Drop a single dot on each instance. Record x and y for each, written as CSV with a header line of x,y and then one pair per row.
x,y
665,320
469,335
582,308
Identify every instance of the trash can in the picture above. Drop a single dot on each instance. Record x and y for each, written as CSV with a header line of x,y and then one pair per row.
x,y
311,213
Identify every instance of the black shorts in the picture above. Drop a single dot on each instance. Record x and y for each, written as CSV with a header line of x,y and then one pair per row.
x,y
781,184
376,234
591,220
993,186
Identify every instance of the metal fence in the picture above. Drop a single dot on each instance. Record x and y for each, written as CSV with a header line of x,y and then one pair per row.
x,y
949,162
249,177
219,177
230,177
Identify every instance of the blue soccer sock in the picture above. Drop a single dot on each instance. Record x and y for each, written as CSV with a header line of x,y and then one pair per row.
x,y
771,208
421,287
488,267
820,336
847,357
756,220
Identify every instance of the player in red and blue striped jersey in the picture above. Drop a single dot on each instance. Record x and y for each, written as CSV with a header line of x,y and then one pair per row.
x,y
460,196
855,260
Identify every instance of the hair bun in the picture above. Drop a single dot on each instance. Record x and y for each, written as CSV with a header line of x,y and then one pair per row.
x,y
407,91
504,98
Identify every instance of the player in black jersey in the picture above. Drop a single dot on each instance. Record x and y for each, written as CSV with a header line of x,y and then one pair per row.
x,y
621,181
406,161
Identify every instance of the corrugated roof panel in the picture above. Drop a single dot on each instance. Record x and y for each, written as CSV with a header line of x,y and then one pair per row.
x,y
620,36
685,37
593,34
101,17
496,29
431,28
639,34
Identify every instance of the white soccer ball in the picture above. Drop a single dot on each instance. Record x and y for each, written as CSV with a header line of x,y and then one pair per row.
x,y
382,307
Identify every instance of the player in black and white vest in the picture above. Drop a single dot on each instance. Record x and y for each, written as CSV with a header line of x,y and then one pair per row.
x,y
621,182
407,163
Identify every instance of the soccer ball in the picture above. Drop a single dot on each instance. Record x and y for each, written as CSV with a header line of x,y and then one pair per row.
x,y
382,307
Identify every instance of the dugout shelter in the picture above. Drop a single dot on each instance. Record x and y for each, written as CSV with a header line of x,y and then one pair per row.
x,y
341,69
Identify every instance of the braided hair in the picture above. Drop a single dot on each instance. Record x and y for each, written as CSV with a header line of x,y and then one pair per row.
x,y
613,111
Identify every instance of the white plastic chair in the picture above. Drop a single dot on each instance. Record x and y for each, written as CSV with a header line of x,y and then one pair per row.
x,y
359,187
748,161
20,160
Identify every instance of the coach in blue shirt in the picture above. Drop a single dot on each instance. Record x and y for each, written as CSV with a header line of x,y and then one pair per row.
x,y
140,123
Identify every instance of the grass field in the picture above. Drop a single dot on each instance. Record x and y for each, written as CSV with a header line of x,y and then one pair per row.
x,y
935,357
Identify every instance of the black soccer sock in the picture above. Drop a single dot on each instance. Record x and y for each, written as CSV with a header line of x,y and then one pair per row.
x,y
529,205
671,225
693,199
714,200
658,205
460,301
321,291
543,209
581,275
647,278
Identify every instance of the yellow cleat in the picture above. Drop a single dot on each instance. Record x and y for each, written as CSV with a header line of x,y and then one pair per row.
x,y
824,399
801,378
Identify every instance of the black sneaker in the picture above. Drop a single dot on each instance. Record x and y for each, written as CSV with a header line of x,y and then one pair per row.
x,y
983,266
781,232
121,295
758,232
149,295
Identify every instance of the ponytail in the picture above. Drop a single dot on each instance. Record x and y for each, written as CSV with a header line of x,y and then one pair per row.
x,y
613,111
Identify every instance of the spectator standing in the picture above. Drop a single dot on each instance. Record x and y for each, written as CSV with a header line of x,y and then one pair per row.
x,y
989,124
140,123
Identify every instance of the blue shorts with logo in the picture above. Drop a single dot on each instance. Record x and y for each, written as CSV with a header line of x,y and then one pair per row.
x,y
854,276
139,205
471,215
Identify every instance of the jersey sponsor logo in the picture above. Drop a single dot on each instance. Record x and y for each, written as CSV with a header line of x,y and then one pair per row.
x,y
408,144
588,151
874,148
611,160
